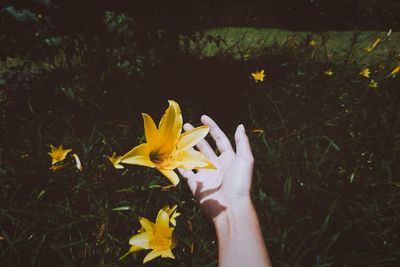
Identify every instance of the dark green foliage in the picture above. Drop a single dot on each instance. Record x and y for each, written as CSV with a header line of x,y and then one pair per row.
x,y
326,181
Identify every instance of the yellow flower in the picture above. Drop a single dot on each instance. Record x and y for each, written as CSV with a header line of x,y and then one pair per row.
x,y
395,71
258,75
373,46
156,236
312,43
115,160
58,154
373,84
172,213
166,148
328,72
365,72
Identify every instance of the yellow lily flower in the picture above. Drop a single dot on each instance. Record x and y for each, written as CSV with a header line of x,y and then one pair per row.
x,y
258,75
328,72
395,71
166,148
373,46
115,160
373,84
58,154
365,72
172,213
156,236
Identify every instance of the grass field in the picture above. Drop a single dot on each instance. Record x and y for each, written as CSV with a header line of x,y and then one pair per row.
x,y
326,144
246,43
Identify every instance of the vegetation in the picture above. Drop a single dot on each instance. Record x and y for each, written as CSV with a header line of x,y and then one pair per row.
x,y
325,132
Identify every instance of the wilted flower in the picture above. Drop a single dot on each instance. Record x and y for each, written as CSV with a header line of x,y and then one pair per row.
x,y
78,163
166,148
58,154
57,167
258,75
365,72
155,236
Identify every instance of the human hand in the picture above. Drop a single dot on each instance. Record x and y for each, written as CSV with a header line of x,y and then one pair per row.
x,y
222,188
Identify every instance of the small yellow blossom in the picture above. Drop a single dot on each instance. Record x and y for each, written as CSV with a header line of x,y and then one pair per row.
x,y
155,236
365,72
78,163
373,84
173,213
115,160
328,72
260,131
167,148
395,71
258,75
373,46
58,154
312,42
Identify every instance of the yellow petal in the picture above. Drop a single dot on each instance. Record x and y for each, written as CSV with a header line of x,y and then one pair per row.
x,y
151,131
395,70
57,167
167,254
171,175
192,159
147,225
153,254
115,160
192,137
141,240
139,155
162,219
134,249
169,129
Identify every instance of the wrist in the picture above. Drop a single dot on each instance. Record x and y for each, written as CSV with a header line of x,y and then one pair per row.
x,y
236,211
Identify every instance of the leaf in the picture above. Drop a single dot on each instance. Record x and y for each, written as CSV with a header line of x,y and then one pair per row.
x,y
122,208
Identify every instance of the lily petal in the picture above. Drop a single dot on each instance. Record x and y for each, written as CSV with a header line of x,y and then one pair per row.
x,y
192,137
167,254
139,155
192,159
115,160
171,175
162,219
153,254
170,128
141,240
134,249
151,131
147,225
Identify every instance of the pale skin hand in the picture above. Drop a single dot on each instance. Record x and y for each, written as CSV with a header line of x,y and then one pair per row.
x,y
224,195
